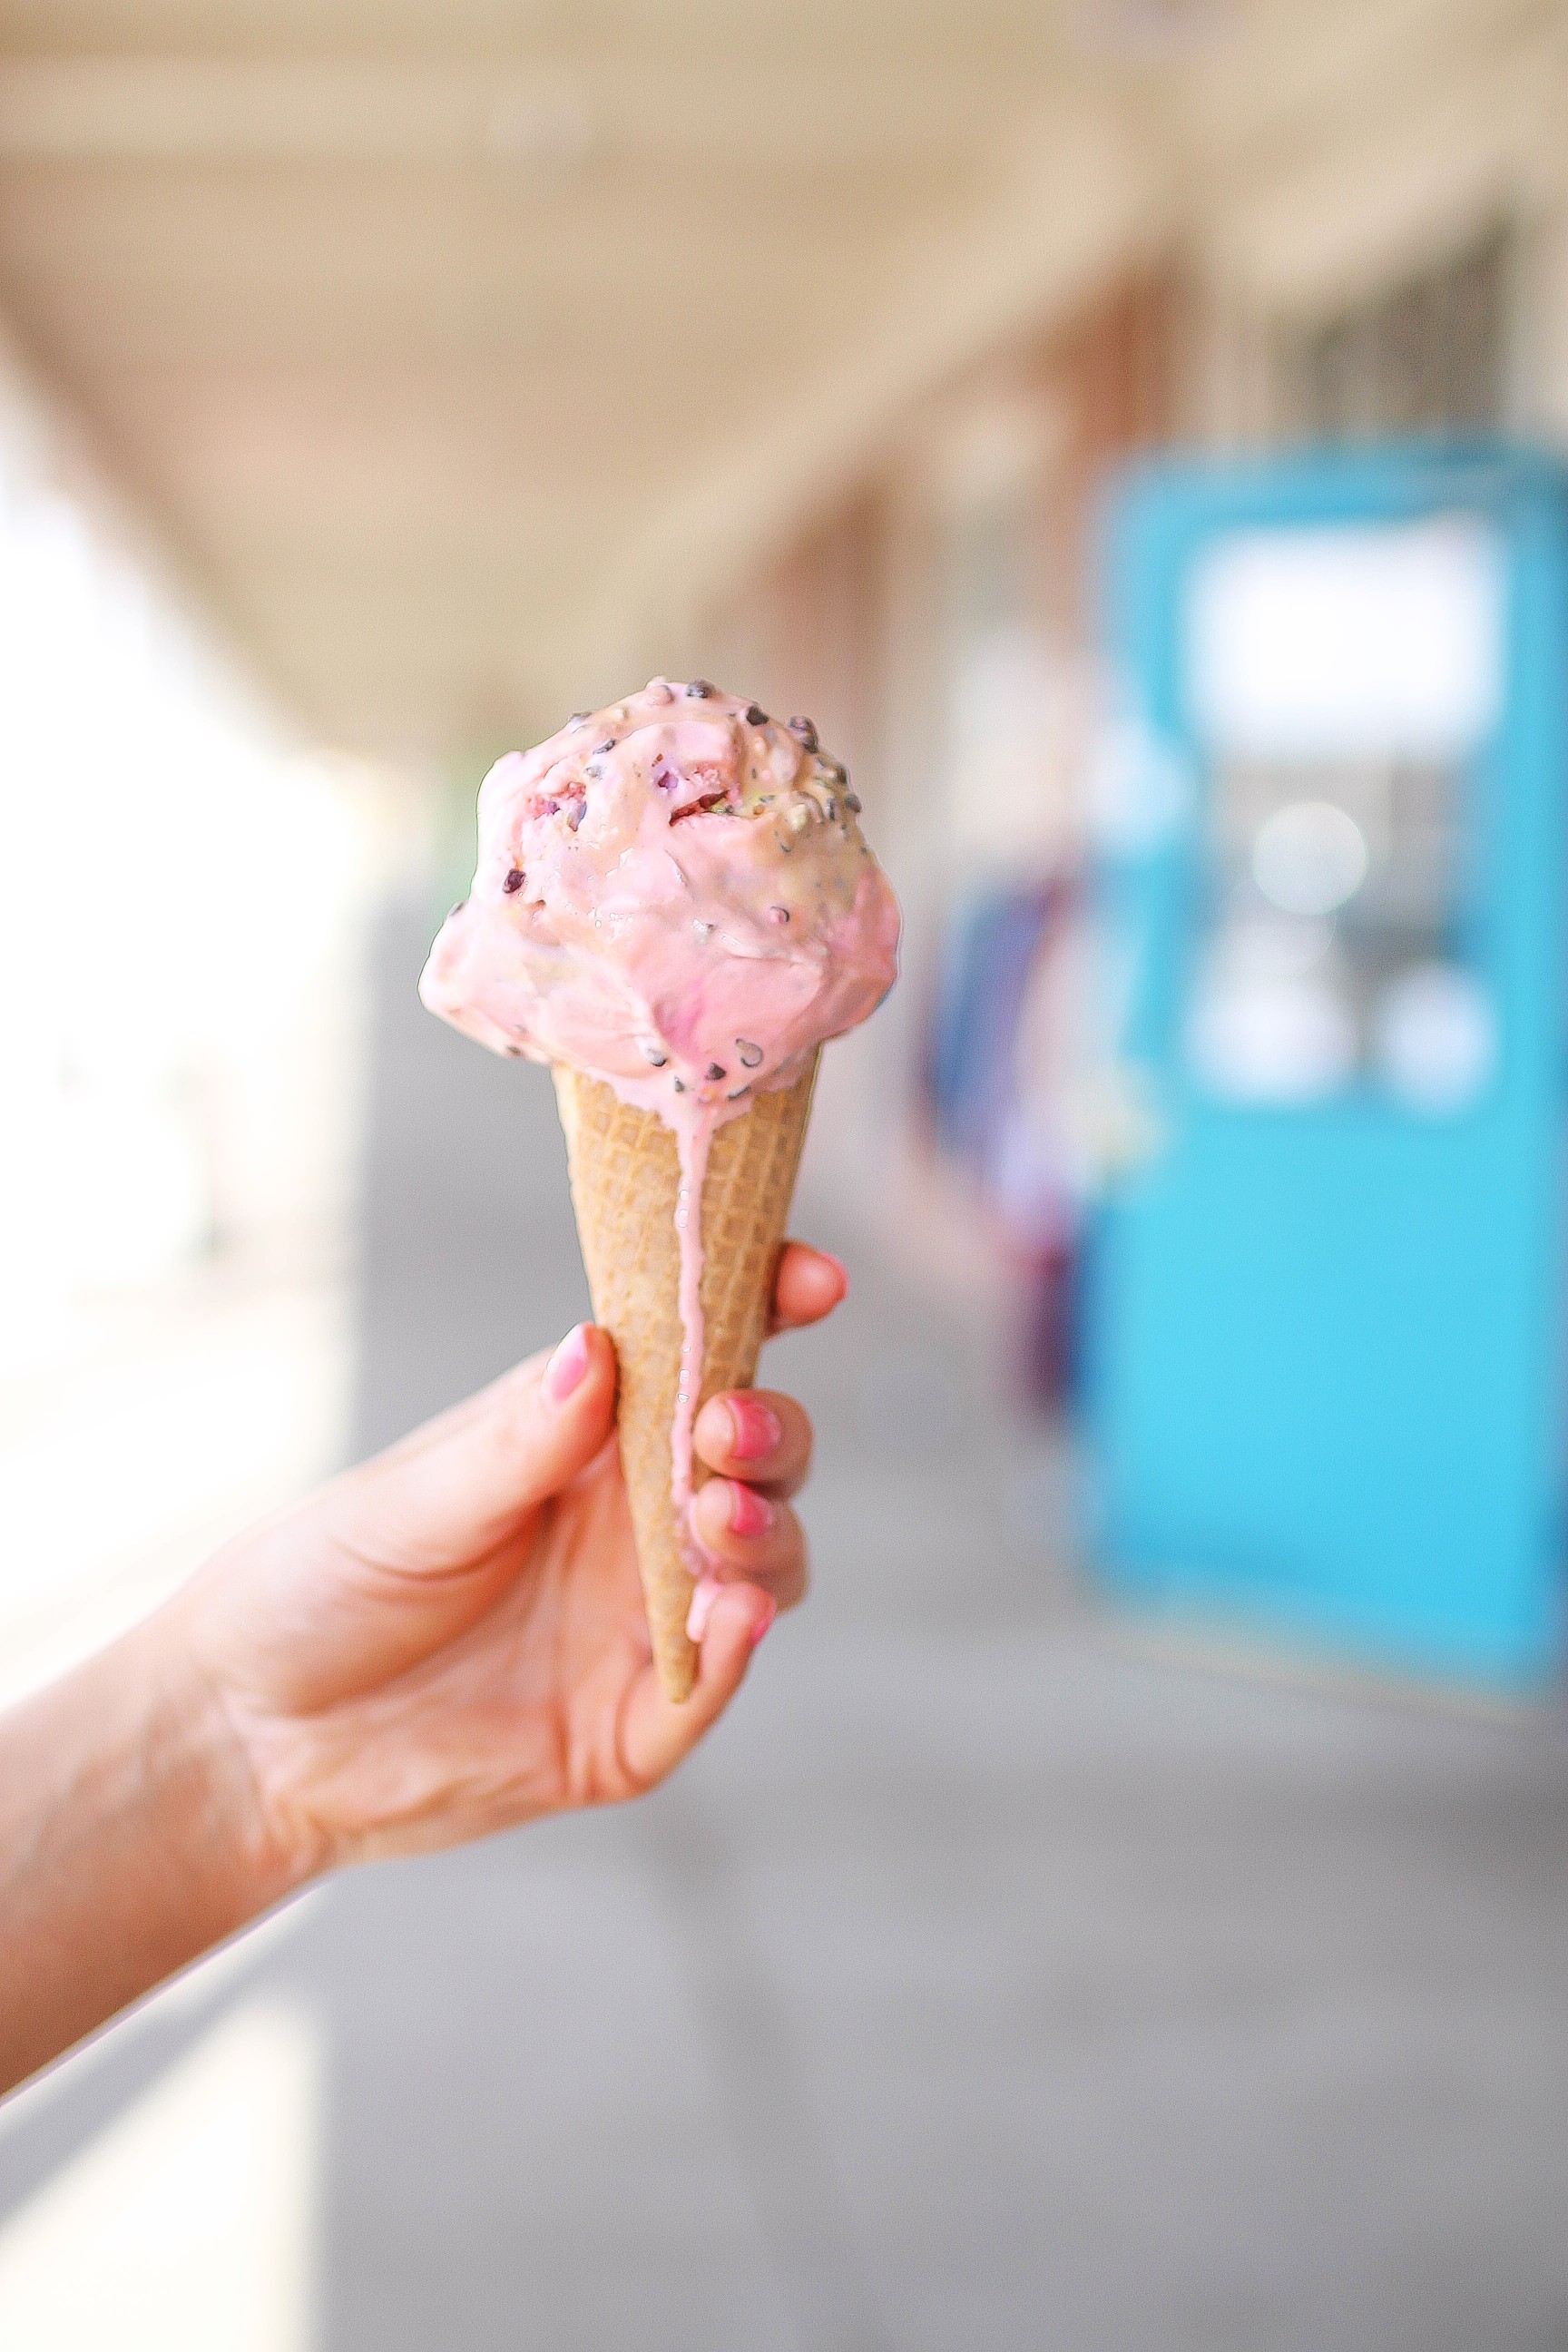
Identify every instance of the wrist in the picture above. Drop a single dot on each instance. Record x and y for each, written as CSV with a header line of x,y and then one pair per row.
x,y
218,1747
130,1841
200,1758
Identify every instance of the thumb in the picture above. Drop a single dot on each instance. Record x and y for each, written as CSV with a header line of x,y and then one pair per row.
x,y
448,1494
404,1554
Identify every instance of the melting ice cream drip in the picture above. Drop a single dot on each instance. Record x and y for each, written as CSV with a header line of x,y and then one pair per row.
x,y
691,1141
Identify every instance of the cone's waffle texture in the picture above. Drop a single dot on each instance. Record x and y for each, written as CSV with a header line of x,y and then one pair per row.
x,y
625,1178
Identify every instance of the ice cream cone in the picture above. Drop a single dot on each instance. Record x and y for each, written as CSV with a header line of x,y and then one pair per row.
x,y
625,1178
673,904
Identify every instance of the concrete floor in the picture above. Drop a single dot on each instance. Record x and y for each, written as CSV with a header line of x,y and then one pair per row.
x,y
989,1981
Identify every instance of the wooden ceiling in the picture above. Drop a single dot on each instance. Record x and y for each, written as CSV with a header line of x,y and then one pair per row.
x,y
453,349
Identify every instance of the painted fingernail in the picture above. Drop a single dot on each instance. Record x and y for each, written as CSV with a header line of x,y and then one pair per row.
x,y
840,1269
756,1429
751,1514
704,1595
567,1365
771,1611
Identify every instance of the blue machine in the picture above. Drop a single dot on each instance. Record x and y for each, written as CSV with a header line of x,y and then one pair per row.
x,y
1324,1341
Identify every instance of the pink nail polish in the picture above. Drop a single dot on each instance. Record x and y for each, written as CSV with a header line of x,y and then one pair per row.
x,y
567,1365
756,1428
764,1622
751,1514
840,1269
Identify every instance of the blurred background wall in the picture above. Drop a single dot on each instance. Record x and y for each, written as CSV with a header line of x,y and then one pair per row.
x,y
458,367
378,382
459,370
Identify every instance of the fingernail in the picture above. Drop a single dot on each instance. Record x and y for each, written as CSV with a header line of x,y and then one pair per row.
x,y
704,1595
770,1612
840,1269
567,1365
751,1514
756,1429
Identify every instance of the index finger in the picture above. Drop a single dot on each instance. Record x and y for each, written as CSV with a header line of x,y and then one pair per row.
x,y
809,1284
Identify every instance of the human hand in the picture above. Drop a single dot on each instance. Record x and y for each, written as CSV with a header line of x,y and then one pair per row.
x,y
451,1638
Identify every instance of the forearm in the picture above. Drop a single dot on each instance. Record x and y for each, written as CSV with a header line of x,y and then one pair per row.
x,y
130,1842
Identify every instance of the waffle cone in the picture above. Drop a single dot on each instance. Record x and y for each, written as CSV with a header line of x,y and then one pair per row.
x,y
625,1178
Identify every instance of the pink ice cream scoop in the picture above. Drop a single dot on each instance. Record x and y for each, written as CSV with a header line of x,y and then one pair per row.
x,y
674,895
